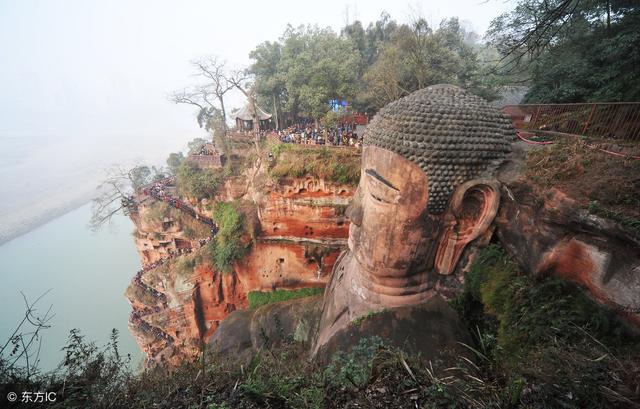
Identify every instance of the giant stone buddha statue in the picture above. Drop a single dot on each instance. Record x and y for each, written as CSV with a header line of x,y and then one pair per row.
x,y
427,197
427,191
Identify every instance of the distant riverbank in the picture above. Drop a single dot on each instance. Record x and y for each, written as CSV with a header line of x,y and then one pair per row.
x,y
22,221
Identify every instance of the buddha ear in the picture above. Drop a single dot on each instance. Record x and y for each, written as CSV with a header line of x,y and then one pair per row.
x,y
471,211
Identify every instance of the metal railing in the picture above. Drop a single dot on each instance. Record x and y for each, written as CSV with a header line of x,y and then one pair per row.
x,y
619,120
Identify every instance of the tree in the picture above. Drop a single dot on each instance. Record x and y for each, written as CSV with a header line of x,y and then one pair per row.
x,y
308,67
269,81
416,56
174,161
116,192
206,95
572,50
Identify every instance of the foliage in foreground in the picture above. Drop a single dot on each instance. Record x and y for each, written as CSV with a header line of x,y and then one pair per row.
x,y
260,298
335,165
227,247
539,343
543,342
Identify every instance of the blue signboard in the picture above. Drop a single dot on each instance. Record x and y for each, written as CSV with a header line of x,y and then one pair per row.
x,y
336,104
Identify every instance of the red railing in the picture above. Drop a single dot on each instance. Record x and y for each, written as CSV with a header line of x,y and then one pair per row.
x,y
599,120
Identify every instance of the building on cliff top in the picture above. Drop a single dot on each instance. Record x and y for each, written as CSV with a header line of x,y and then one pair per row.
x,y
207,156
244,118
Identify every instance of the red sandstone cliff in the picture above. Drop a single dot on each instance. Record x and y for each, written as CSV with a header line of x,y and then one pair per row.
x,y
179,303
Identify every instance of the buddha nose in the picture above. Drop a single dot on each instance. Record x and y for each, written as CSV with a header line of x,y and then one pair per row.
x,y
354,210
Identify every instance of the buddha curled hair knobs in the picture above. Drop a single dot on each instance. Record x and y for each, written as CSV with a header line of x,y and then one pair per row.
x,y
453,135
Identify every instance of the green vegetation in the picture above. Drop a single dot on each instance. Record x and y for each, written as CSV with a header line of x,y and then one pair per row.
x,y
228,246
370,67
174,160
571,50
199,183
371,314
336,165
538,344
260,298
542,342
587,175
630,223
191,228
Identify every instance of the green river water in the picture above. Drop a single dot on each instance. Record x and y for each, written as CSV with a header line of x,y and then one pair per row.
x,y
87,274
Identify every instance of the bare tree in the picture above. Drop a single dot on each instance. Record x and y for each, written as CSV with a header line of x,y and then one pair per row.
x,y
206,95
117,191
240,79
25,342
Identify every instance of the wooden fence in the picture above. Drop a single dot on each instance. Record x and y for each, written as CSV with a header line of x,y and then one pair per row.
x,y
598,120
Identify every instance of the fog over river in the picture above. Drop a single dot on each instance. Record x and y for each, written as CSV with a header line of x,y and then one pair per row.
x,y
83,87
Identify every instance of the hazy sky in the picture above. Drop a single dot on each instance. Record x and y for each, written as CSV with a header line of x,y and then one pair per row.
x,y
105,67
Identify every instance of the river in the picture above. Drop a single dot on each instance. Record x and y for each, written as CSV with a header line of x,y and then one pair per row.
x,y
86,274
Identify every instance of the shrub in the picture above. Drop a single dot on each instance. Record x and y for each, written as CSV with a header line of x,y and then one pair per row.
x,y
227,246
541,332
354,368
198,183
259,298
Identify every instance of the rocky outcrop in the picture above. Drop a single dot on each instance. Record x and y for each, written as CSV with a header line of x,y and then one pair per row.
x,y
550,233
180,299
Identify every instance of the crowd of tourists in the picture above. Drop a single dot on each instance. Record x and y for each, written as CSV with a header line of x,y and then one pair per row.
x,y
159,191
136,319
341,135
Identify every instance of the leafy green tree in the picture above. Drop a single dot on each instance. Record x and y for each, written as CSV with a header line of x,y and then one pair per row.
x,y
572,50
174,161
417,56
309,67
269,81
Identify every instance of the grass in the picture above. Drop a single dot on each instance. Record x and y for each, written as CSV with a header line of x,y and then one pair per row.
x,y
542,342
260,298
296,161
587,175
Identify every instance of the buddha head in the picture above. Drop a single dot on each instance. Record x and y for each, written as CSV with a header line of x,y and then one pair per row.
x,y
427,187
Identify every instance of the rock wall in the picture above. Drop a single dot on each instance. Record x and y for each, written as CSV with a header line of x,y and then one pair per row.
x,y
551,233
175,308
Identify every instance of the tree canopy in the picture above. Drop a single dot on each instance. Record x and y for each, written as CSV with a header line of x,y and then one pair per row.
x,y
572,50
308,66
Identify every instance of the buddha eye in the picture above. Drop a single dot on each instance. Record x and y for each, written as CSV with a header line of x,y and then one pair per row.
x,y
381,190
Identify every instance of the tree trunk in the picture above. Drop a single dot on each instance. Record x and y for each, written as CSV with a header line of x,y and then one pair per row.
x,y
275,110
256,117
224,117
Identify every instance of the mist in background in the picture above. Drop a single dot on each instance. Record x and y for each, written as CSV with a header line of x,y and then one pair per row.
x,y
84,84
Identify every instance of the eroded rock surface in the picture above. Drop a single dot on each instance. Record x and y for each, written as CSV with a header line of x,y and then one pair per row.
x,y
302,230
549,233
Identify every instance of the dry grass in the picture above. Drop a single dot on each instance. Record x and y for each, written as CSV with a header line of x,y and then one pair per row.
x,y
587,175
339,165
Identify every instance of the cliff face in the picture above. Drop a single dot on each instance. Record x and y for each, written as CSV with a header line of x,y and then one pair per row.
x,y
179,297
551,230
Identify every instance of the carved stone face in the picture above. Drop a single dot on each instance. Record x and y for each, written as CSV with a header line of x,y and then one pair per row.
x,y
390,230
395,241
427,189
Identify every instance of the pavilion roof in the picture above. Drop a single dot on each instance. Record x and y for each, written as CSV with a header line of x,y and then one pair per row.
x,y
246,113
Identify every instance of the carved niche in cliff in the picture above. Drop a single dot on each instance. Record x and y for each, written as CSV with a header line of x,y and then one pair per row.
x,y
427,191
